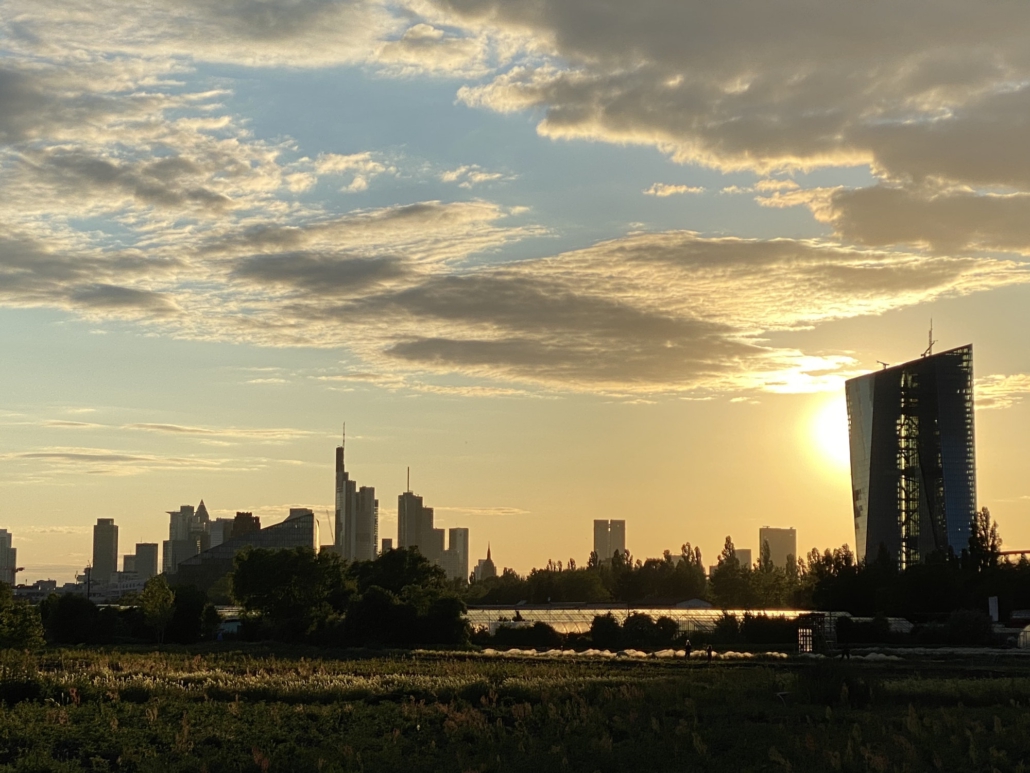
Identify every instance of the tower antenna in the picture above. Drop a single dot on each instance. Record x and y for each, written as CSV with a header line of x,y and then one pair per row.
x,y
409,479
929,349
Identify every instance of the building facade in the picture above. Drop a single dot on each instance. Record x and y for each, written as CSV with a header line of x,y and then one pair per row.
x,y
8,558
415,527
455,559
609,538
146,560
782,544
357,516
913,463
105,551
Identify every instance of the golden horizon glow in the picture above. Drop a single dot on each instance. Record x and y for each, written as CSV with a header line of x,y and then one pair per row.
x,y
828,429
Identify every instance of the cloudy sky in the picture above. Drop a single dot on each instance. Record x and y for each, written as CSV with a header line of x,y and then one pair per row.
x,y
567,259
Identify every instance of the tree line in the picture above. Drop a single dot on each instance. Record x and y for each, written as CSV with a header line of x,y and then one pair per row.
x,y
834,580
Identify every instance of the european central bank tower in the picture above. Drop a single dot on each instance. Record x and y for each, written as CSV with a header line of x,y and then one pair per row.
x,y
913,464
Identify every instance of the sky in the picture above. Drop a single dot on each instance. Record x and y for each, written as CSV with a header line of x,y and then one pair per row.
x,y
565,259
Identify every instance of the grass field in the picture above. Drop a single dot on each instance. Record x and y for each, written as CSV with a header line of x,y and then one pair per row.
x,y
258,710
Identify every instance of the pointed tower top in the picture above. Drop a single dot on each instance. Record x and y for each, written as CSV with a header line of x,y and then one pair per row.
x,y
487,551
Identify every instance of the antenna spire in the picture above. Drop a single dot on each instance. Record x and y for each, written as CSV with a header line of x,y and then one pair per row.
x,y
929,349
409,479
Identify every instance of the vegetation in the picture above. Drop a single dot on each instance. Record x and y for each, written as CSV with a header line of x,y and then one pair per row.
x,y
400,599
832,580
260,710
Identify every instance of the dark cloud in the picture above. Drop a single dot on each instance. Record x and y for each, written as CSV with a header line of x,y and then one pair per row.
x,y
320,274
946,221
112,297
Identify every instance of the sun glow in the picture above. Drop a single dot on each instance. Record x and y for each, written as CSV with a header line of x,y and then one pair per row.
x,y
828,428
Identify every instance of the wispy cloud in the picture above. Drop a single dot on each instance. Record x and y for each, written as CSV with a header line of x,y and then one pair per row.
x,y
997,391
663,190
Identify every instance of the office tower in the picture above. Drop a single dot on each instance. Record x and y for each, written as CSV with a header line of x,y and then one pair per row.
x,y
105,551
146,560
455,559
361,528
387,545
744,558
913,463
8,557
486,568
415,527
245,523
783,544
602,540
617,538
129,563
346,504
188,534
609,537
220,530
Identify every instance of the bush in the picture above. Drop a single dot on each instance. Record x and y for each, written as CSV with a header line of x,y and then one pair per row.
x,y
537,635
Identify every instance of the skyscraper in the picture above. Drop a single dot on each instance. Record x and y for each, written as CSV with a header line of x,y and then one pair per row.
x,y
455,560
415,527
609,537
913,463
105,550
146,560
782,544
357,515
188,534
8,557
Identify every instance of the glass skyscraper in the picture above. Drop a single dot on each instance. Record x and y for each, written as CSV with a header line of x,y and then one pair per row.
x,y
913,463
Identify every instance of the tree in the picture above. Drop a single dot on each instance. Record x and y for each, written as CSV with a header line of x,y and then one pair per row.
x,y
397,569
295,591
984,541
20,624
70,619
158,602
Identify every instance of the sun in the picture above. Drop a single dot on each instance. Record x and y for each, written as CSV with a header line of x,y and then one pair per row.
x,y
828,429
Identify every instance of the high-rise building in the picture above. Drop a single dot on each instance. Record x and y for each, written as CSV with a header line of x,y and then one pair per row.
x,y
744,557
387,545
357,515
8,557
913,462
609,537
146,560
129,563
415,527
105,551
220,530
188,534
782,544
455,559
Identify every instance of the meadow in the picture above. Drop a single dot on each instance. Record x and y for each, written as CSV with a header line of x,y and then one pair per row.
x,y
255,709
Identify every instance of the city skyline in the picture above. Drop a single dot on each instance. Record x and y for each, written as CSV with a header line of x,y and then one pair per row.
x,y
568,261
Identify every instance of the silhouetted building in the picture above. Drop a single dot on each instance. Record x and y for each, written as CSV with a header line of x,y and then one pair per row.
x,y
783,544
129,563
486,568
205,569
913,463
455,559
415,527
8,557
244,524
744,557
357,515
387,545
188,535
220,530
609,538
105,551
146,560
